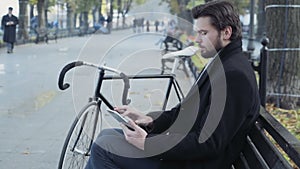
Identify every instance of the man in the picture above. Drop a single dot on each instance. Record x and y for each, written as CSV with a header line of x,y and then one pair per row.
x,y
208,129
9,23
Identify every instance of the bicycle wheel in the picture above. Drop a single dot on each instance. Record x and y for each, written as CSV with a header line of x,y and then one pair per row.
x,y
76,149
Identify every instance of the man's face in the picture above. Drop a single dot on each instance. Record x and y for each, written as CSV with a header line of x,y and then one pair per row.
x,y
9,11
208,38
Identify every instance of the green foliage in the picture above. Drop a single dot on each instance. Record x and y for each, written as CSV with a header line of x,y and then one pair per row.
x,y
33,2
140,2
193,3
51,3
84,5
241,5
290,119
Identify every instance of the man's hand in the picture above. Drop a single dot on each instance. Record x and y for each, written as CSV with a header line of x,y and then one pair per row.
x,y
10,23
136,136
138,117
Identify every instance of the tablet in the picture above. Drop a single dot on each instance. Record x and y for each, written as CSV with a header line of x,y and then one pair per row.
x,y
119,117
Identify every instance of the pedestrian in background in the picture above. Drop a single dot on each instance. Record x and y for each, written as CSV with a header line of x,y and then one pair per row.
x,y
147,26
9,23
156,25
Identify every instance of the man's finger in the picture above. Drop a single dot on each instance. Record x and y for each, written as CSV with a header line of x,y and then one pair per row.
x,y
121,108
131,122
125,130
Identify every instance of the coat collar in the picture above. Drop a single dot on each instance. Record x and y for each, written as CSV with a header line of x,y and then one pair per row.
x,y
233,47
225,53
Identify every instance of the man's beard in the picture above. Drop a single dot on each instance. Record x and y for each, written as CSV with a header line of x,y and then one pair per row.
x,y
211,53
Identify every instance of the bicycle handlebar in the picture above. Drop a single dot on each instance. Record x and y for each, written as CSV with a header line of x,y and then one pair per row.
x,y
63,72
71,65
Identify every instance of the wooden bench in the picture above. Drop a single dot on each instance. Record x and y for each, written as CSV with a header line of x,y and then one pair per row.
x,y
268,145
43,34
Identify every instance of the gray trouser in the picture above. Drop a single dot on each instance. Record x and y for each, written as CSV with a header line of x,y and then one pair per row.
x,y
10,46
107,144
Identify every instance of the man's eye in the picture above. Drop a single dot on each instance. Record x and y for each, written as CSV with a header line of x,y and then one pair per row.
x,y
203,33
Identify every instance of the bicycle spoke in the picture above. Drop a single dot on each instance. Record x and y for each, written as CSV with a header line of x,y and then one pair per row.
x,y
78,149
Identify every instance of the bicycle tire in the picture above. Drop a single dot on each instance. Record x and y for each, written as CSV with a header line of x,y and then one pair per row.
x,y
76,148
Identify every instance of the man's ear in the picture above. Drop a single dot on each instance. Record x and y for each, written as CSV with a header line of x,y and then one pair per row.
x,y
227,32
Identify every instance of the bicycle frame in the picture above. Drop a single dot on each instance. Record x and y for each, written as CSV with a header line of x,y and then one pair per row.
x,y
99,97
172,81
125,78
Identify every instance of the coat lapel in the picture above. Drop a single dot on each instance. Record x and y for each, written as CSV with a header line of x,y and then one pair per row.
x,y
198,84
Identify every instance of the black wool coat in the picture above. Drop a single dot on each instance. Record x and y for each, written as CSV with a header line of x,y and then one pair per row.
x,y
208,129
9,30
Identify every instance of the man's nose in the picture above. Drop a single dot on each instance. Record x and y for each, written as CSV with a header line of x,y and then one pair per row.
x,y
199,39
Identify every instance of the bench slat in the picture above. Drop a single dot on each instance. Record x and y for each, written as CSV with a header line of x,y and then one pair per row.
x,y
253,157
289,143
241,163
267,149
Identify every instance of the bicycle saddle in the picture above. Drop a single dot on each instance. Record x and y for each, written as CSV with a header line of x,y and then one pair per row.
x,y
189,51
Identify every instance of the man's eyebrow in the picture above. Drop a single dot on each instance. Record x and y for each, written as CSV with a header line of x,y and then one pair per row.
x,y
202,30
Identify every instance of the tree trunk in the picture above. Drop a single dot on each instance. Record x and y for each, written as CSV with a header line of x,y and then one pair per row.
x,y
80,20
100,11
94,11
85,22
125,10
46,4
70,18
31,14
75,20
284,66
111,10
185,22
23,20
123,21
261,20
119,12
41,13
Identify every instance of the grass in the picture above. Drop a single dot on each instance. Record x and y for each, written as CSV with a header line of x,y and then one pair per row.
x,y
290,119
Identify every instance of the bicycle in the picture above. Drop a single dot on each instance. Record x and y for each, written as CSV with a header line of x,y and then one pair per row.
x,y
88,123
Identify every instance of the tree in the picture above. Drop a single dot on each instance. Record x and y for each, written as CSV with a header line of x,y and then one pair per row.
x,y
23,20
182,8
283,66
123,8
100,14
84,7
70,15
261,20
41,13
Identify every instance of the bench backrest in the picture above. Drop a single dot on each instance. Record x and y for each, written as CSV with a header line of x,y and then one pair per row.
x,y
269,144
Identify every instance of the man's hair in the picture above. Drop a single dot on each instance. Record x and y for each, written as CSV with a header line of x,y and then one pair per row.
x,y
222,14
10,8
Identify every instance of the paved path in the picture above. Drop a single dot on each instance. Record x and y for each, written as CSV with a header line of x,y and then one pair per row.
x,y
35,115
